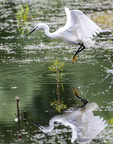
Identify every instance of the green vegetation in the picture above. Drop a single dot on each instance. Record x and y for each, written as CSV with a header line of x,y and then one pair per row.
x,y
57,67
22,13
22,16
110,121
58,105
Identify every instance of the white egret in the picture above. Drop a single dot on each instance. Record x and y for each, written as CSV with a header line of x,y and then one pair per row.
x,y
85,126
79,29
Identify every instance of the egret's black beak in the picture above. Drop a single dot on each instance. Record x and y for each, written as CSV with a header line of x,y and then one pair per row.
x,y
31,31
37,125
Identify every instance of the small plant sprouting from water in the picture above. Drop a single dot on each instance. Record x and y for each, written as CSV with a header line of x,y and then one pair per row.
x,y
22,13
22,16
58,105
57,68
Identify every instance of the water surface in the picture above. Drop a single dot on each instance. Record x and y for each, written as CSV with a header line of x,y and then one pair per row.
x,y
24,72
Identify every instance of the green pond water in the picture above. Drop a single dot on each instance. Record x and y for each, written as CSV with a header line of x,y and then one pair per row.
x,y
24,71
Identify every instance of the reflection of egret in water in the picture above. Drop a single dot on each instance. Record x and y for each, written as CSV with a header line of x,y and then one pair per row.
x,y
85,126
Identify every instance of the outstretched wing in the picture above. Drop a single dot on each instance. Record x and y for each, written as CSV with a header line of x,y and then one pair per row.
x,y
79,23
94,127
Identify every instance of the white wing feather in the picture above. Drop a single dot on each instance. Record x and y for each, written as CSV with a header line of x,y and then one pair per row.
x,y
79,23
88,27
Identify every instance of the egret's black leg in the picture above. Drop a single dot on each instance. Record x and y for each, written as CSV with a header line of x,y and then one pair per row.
x,y
82,47
76,93
82,100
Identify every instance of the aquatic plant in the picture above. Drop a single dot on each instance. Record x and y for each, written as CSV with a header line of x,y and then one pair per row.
x,y
22,16
57,68
22,13
58,105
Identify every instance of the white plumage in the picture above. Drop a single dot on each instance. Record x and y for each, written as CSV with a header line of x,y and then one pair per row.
x,y
85,126
79,29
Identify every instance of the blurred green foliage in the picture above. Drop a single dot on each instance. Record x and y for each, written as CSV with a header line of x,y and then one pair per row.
x,y
22,13
58,105
57,67
22,16
110,121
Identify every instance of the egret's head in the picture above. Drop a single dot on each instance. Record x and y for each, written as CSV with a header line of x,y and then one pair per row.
x,y
37,125
42,128
38,26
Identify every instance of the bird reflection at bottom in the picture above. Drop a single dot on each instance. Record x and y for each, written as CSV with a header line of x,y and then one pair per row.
x,y
84,124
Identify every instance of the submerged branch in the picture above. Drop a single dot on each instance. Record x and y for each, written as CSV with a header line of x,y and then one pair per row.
x,y
18,116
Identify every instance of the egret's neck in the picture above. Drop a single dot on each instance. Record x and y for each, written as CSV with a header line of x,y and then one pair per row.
x,y
48,128
51,35
51,123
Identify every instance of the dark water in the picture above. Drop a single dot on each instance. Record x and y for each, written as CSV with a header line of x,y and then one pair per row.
x,y
24,72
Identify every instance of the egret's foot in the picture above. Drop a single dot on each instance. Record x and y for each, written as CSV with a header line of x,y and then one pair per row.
x,y
76,92
81,48
75,58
